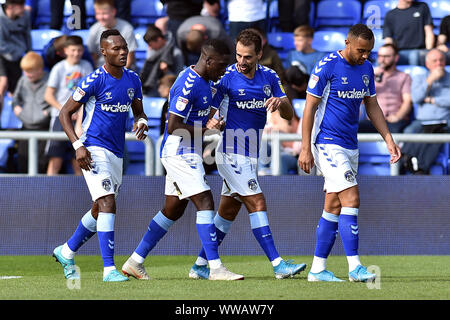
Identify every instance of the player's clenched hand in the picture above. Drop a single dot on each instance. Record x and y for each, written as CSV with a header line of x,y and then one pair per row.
x,y
395,152
141,130
306,160
272,104
83,157
215,124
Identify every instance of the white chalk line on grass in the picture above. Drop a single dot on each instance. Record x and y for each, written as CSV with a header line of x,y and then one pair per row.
x,y
9,277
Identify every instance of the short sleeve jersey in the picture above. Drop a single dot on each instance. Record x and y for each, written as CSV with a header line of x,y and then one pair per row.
x,y
342,87
107,102
241,101
190,98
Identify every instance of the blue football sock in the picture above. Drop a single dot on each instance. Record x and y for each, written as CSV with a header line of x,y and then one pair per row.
x,y
222,228
157,228
326,234
105,233
261,230
348,229
208,233
85,230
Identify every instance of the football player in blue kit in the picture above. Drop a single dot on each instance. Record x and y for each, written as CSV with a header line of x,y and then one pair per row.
x,y
338,84
245,94
189,117
107,95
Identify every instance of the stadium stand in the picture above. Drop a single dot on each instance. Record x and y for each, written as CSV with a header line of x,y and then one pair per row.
x,y
273,17
83,33
438,9
375,10
337,15
328,41
8,118
145,12
299,106
141,51
40,37
90,13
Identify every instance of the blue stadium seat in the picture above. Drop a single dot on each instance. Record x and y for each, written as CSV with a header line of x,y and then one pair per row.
x,y
375,10
413,70
441,165
282,41
83,33
299,106
328,41
378,33
373,159
273,16
145,12
40,37
42,14
5,144
438,9
332,14
8,118
90,13
142,48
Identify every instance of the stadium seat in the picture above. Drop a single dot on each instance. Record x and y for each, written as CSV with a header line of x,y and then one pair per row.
x,y
332,14
328,41
438,9
83,33
273,16
40,37
142,48
299,106
375,10
378,33
282,41
145,12
441,165
373,159
413,70
5,145
8,118
90,13
42,14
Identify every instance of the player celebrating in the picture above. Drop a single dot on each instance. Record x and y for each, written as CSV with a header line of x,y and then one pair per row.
x,y
107,95
189,117
249,90
338,85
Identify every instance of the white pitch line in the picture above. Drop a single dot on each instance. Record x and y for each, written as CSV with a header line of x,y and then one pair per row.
x,y
9,277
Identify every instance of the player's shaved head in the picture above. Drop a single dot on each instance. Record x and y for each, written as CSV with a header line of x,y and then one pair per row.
x,y
360,31
215,46
105,36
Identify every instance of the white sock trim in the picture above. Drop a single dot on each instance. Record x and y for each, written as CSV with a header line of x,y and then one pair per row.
x,y
137,258
214,264
349,211
353,262
89,222
67,252
105,221
276,261
201,261
318,265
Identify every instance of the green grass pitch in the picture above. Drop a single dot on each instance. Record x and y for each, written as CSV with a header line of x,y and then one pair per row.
x,y
401,278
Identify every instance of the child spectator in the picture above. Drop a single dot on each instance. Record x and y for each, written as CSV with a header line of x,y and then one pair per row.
x,y
15,41
105,14
304,56
31,108
63,79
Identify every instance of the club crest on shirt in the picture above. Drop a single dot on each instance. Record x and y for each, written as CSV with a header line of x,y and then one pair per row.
x,y
181,103
106,184
267,90
252,184
365,79
130,92
349,176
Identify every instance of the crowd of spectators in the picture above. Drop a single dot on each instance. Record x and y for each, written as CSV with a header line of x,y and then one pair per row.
x,y
39,84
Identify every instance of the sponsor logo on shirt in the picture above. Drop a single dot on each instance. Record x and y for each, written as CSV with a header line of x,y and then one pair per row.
x,y
116,107
203,113
353,94
251,104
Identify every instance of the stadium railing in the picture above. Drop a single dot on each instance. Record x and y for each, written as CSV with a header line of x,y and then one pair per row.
x,y
153,165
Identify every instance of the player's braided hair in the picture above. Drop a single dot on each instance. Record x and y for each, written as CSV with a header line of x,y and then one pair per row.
x,y
361,31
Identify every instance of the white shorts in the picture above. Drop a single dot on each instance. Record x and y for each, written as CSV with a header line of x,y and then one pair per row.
x,y
105,177
239,174
339,166
185,175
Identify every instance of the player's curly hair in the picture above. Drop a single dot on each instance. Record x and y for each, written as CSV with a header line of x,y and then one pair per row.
x,y
248,37
217,45
361,31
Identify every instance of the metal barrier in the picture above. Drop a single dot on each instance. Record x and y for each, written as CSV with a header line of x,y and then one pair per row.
x,y
153,164
34,136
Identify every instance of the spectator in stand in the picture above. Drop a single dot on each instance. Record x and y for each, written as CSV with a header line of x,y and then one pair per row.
x,y
270,57
15,41
211,9
53,52
164,58
293,14
194,31
123,9
296,83
304,56
444,37
393,89
410,28
31,108
245,14
63,80
57,13
105,14
431,93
